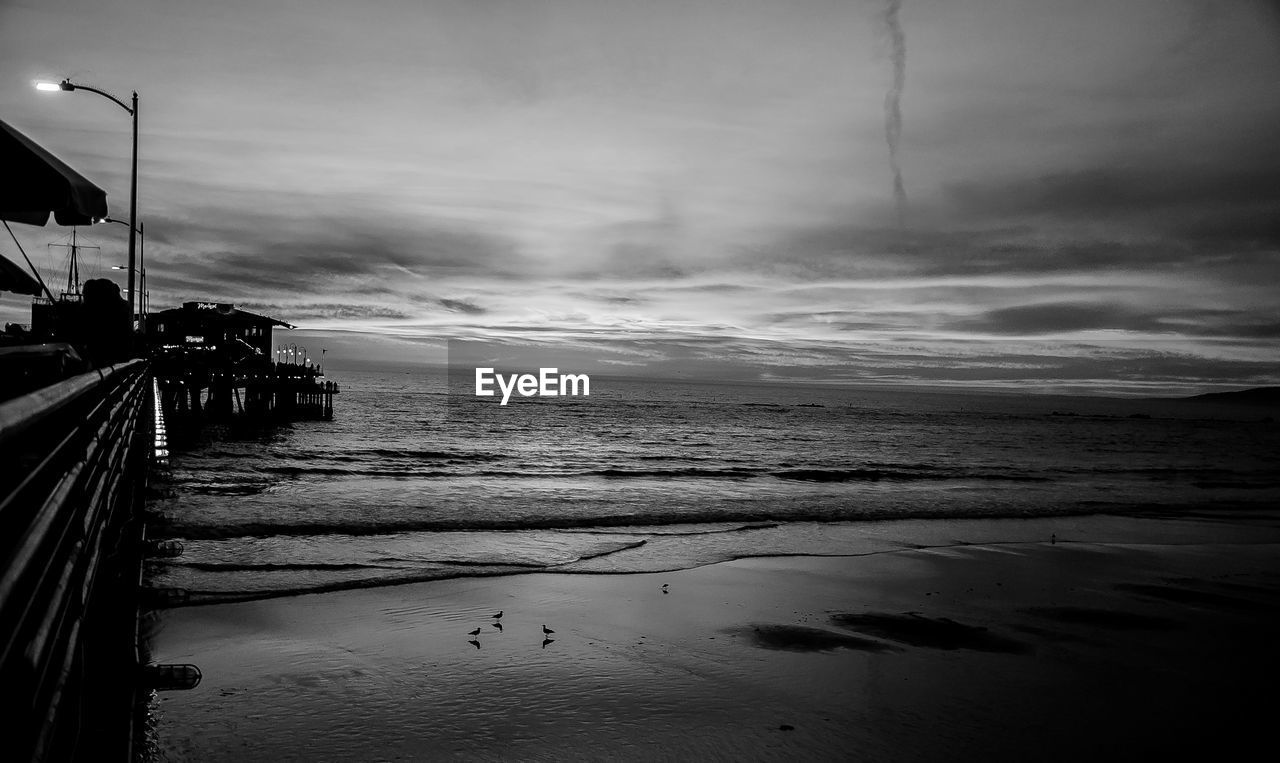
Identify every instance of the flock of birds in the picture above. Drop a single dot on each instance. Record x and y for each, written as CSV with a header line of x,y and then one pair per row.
x,y
497,623
546,632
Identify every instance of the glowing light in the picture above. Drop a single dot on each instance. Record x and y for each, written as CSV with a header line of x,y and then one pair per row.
x,y
48,86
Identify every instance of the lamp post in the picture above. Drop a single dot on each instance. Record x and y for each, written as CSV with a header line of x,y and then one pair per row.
x,y
68,85
143,295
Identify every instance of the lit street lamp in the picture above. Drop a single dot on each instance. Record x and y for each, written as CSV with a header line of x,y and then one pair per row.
x,y
68,85
144,296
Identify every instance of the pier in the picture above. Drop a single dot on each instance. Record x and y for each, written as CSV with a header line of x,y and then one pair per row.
x,y
281,391
79,453
91,393
215,363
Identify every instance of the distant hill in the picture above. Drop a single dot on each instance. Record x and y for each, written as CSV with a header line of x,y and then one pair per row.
x,y
1256,396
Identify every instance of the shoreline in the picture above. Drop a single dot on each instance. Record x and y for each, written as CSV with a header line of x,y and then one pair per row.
x,y
996,650
846,538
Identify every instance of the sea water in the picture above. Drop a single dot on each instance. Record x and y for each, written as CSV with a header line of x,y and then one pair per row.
x,y
416,479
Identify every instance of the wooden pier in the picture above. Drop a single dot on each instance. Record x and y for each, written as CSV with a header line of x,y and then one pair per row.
x,y
282,391
77,452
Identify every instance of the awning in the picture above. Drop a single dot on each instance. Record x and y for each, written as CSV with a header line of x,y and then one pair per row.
x,y
35,183
15,279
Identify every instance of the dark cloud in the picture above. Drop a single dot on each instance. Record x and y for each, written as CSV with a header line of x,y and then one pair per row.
x,y
1228,241
1056,318
1063,317
462,306
324,311
606,296
265,255
1118,191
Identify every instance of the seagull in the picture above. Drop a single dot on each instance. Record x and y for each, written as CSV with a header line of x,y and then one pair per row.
x,y
545,629
475,632
498,616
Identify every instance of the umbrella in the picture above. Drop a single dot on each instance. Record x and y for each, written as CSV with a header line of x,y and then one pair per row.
x,y
36,182
15,279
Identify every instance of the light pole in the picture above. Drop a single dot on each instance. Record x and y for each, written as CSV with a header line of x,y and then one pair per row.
x,y
68,85
142,271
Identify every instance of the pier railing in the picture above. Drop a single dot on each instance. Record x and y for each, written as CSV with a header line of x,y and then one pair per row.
x,y
73,460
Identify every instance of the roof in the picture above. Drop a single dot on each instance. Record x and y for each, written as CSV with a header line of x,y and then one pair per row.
x,y
220,312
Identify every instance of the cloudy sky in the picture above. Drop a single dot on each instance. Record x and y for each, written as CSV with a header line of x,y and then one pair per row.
x,y
696,186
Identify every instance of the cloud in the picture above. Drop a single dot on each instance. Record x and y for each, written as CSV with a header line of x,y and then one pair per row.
x,y
462,306
700,184
294,313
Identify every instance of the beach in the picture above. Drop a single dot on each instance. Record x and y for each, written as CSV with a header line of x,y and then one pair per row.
x,y
1003,639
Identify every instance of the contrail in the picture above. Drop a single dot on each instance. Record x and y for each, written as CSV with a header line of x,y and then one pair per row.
x,y
893,104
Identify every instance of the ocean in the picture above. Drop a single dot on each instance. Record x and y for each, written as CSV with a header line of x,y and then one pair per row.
x,y
415,479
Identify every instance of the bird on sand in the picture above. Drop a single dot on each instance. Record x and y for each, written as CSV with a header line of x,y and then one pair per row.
x,y
545,629
475,632
498,616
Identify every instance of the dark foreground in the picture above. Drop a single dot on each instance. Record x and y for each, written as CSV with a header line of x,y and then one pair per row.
x,y
1083,648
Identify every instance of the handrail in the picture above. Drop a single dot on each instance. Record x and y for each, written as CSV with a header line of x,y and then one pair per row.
x,y
74,458
19,415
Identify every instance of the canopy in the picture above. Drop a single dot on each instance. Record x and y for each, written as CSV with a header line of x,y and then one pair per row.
x,y
15,279
35,183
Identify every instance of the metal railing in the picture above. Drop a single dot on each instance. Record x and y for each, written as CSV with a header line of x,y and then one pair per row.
x,y
73,466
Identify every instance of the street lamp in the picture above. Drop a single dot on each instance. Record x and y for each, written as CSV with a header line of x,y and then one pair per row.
x,y
144,300
68,85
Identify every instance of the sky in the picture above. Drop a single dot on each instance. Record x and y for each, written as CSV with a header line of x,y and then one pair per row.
x,y
697,188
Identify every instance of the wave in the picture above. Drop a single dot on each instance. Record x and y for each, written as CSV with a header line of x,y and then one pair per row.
x,y
1234,485
230,489
525,566
665,531
268,588
687,458
441,570
609,551
875,475
903,473
352,455
339,471
198,597
430,455
692,471
528,566
273,567
745,520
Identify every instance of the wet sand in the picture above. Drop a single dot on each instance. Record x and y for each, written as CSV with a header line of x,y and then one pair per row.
x,y
998,651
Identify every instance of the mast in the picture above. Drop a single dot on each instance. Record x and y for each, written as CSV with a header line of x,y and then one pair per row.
x,y
73,272
73,269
